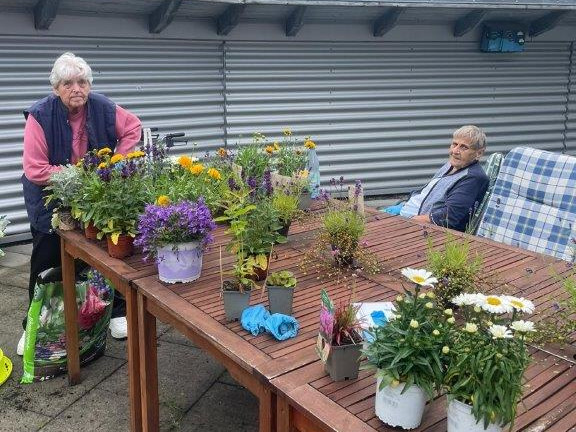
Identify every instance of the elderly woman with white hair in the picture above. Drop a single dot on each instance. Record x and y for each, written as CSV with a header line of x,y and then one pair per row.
x,y
60,129
451,196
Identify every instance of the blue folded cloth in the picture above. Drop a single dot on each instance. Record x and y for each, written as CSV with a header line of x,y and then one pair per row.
x,y
282,326
393,210
253,319
257,319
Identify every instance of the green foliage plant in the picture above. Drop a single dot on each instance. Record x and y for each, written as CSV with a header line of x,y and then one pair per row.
x,y
252,157
344,228
455,267
283,278
488,355
285,204
409,349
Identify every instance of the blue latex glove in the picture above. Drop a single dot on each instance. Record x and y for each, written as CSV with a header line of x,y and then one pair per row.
x,y
282,326
254,319
379,318
393,210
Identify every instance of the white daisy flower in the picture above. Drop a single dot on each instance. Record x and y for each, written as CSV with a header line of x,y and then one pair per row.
x,y
466,299
471,328
521,304
419,276
500,332
523,326
494,304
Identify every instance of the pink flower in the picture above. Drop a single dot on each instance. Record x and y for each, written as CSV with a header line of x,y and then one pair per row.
x,y
326,323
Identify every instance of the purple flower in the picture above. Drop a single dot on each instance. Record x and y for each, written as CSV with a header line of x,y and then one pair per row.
x,y
357,189
181,222
104,174
232,184
267,181
326,323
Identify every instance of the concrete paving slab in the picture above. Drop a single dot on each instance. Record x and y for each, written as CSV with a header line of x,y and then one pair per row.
x,y
25,249
15,276
13,299
174,336
14,419
53,396
98,411
14,260
223,408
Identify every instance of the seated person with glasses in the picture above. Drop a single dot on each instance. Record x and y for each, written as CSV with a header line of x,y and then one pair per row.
x,y
452,195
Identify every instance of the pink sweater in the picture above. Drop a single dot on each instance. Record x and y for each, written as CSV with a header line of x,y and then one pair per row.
x,y
35,159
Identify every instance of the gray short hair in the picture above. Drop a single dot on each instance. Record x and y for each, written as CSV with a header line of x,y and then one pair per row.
x,y
69,66
476,136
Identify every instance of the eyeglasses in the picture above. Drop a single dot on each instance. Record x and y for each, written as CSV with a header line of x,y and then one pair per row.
x,y
69,84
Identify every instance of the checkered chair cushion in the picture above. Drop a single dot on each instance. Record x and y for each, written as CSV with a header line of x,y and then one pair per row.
x,y
533,204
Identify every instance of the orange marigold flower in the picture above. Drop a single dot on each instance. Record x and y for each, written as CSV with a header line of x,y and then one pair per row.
x,y
222,152
214,173
102,165
162,200
269,149
197,169
116,158
135,154
310,144
185,161
104,151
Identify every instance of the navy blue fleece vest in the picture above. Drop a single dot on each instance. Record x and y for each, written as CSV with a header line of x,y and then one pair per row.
x,y
52,116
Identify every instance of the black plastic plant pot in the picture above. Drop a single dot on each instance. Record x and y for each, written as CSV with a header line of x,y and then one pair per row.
x,y
342,363
280,299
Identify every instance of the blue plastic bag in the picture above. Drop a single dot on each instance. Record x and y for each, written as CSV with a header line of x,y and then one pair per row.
x,y
393,210
282,326
253,319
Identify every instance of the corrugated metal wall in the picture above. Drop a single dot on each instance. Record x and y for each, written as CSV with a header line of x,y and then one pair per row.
x,y
173,85
382,112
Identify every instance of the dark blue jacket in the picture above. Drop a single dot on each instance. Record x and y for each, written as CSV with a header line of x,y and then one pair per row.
x,y
456,196
52,116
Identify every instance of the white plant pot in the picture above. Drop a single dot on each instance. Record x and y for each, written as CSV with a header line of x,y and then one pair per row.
x,y
400,410
461,419
180,263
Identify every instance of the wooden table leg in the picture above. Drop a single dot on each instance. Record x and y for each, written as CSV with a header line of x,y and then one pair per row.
x,y
70,314
267,410
148,367
133,359
282,414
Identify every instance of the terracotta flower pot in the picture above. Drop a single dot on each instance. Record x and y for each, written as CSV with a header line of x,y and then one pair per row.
x,y
90,231
124,248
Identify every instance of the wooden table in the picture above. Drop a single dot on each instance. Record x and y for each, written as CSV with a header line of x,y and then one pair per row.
x,y
287,377
308,400
120,273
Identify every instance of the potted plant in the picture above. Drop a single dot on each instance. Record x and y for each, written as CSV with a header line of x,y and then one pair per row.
x,y
286,206
236,291
339,341
280,286
487,359
118,201
176,235
344,227
455,267
407,354
63,192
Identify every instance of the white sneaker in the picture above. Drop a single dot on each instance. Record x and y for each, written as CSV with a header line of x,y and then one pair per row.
x,y
119,328
20,347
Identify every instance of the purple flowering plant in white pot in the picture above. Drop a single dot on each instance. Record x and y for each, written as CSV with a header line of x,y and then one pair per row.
x,y
176,234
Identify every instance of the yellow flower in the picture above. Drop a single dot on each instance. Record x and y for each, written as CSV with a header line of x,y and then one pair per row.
x,y
117,158
276,145
214,173
414,324
104,151
471,328
448,312
197,169
395,383
445,349
102,165
287,132
451,320
222,152
309,144
429,305
303,174
185,161
435,332
162,201
79,163
269,149
431,294
135,154
399,298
